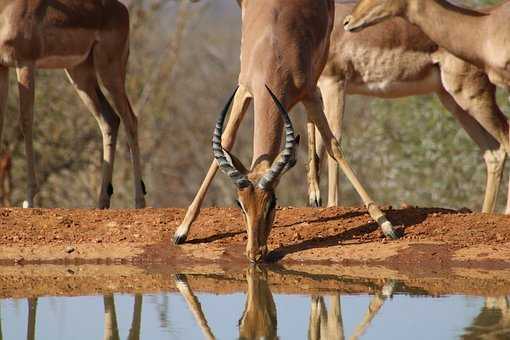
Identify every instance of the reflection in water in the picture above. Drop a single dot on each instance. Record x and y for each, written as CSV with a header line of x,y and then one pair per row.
x,y
111,327
493,322
32,309
327,324
324,323
257,315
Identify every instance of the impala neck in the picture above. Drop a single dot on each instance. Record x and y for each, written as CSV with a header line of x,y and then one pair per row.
x,y
456,29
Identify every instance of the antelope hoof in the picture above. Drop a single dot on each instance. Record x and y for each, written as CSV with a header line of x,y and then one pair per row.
x,y
140,204
104,204
388,230
180,280
179,238
315,200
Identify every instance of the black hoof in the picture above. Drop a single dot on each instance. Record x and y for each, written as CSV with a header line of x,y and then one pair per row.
x,y
181,278
179,239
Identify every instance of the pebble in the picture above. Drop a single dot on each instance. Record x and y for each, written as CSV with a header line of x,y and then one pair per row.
x,y
70,249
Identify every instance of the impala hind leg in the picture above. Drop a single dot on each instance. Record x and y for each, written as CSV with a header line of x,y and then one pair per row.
x,y
314,109
26,85
493,151
111,67
84,79
241,103
314,193
333,97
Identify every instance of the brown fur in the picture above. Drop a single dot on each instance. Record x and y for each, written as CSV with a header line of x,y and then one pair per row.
x,y
284,45
395,59
89,39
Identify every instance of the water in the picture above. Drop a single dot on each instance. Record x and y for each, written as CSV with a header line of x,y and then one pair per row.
x,y
390,311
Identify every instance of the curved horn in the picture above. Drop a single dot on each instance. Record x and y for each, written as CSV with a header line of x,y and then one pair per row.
x,y
222,157
287,156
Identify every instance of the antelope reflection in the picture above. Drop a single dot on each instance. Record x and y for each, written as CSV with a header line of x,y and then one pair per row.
x,y
258,320
111,328
493,321
327,324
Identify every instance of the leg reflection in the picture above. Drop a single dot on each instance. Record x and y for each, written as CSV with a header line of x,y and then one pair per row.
x,y
194,305
111,329
32,309
134,331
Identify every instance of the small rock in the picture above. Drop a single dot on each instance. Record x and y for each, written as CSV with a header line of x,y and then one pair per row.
x,y
70,249
19,259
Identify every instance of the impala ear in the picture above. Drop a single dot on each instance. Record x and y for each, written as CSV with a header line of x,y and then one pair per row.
x,y
235,162
240,3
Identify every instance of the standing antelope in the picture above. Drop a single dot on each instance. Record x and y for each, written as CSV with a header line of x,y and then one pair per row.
x,y
479,37
89,39
396,59
284,45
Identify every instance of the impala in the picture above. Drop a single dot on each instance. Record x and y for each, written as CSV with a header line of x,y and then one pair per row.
x,y
396,59
284,46
478,37
90,40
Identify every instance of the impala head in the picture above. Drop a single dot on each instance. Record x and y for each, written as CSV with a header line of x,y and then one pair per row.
x,y
255,187
369,12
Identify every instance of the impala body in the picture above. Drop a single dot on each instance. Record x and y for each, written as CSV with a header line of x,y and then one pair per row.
x,y
284,48
90,40
395,59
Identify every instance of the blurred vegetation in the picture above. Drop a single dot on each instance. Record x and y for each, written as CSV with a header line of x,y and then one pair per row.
x,y
183,65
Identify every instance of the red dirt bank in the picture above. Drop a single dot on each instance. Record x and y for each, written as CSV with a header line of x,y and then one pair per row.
x,y
433,238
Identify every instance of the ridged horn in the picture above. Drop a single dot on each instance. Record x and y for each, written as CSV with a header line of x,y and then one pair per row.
x,y
224,160
287,157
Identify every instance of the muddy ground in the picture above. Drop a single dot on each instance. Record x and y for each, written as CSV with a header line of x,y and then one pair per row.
x,y
441,251
432,238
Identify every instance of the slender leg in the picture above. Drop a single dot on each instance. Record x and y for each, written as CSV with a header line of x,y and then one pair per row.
x,y
32,316
314,110
8,192
111,329
333,96
84,79
134,331
476,96
314,322
314,194
193,305
241,102
335,322
26,84
111,67
375,305
4,91
493,151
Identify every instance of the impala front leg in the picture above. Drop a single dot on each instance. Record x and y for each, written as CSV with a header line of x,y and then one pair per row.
x,y
314,110
194,305
239,107
26,84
